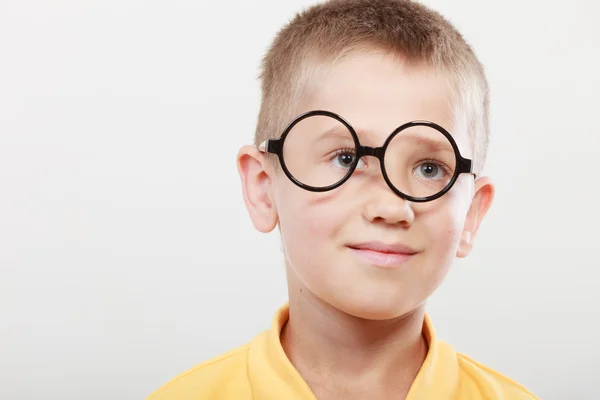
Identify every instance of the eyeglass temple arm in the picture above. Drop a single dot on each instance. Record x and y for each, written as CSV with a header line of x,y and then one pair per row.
x,y
270,146
262,147
466,166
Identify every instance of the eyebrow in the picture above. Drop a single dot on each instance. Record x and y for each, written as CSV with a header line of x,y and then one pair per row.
x,y
438,144
365,135
342,131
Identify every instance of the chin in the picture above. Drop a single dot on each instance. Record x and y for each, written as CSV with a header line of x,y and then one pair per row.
x,y
374,308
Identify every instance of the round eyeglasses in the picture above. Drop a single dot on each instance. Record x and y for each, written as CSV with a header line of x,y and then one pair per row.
x,y
319,151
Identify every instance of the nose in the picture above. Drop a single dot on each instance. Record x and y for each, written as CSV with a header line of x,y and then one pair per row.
x,y
385,206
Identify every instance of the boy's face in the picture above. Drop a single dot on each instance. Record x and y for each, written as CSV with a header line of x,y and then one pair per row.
x,y
334,240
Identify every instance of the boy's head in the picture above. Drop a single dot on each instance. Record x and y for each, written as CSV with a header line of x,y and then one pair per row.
x,y
378,64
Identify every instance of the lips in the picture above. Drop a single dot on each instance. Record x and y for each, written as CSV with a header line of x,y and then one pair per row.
x,y
392,255
380,247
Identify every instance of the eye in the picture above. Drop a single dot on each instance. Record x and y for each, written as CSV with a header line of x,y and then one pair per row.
x,y
431,170
344,158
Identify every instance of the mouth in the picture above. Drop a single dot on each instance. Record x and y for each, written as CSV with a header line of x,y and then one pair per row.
x,y
383,255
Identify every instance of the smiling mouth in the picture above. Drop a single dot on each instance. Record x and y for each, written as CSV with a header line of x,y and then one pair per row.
x,y
381,255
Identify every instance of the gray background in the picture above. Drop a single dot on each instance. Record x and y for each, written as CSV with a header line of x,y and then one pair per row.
x,y
126,253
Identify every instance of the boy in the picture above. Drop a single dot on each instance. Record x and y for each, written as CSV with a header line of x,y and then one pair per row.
x,y
371,136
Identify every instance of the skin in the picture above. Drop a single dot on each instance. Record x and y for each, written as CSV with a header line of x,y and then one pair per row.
x,y
355,329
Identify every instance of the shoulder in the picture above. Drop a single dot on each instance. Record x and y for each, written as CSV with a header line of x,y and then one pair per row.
x,y
490,383
223,376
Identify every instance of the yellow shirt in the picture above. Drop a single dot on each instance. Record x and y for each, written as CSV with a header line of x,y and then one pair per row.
x,y
261,370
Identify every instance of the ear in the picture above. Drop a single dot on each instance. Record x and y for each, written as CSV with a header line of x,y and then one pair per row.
x,y
481,203
256,187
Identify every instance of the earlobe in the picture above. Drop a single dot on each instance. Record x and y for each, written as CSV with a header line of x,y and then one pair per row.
x,y
256,185
465,245
480,204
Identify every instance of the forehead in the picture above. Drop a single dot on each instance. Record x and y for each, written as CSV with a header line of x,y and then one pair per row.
x,y
376,92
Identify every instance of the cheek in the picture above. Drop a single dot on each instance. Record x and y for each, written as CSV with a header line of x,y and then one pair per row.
x,y
442,230
446,230
307,220
309,224
444,223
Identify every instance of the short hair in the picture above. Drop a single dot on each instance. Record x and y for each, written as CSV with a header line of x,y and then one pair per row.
x,y
328,31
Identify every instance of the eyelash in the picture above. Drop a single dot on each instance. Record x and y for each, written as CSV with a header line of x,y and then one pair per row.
x,y
349,150
345,150
439,163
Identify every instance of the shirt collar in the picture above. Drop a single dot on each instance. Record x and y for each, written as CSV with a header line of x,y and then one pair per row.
x,y
272,375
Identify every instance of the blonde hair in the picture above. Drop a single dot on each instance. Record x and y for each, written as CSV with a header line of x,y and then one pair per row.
x,y
326,32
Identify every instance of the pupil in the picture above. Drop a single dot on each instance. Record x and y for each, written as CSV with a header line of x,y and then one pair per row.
x,y
429,169
346,158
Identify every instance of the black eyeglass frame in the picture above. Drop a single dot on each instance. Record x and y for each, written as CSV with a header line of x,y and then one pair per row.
x,y
275,146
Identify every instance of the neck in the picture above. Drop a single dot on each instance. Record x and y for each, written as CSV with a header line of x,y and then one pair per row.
x,y
330,348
